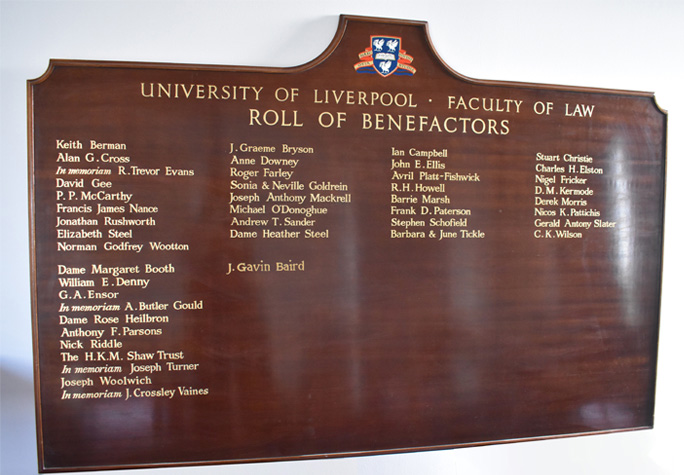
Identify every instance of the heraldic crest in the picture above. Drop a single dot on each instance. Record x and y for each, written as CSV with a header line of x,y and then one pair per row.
x,y
385,57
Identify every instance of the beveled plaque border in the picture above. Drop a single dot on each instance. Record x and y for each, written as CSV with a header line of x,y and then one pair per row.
x,y
335,42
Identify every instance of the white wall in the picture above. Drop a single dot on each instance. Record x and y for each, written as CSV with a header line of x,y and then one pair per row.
x,y
623,44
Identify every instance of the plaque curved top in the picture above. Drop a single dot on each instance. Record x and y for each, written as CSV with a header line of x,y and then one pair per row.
x,y
339,38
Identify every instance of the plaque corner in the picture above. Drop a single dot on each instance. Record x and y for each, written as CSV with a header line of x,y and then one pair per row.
x,y
657,105
52,65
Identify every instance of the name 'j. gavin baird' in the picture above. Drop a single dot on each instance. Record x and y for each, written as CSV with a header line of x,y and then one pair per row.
x,y
261,266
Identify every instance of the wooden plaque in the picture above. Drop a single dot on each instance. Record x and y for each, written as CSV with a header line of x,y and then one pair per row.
x,y
369,253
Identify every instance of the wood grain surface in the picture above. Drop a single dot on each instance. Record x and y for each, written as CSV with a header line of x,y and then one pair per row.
x,y
243,264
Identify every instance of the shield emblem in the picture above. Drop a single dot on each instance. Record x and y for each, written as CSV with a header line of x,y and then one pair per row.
x,y
385,54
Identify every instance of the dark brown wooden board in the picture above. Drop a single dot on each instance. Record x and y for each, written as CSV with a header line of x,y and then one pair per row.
x,y
365,254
